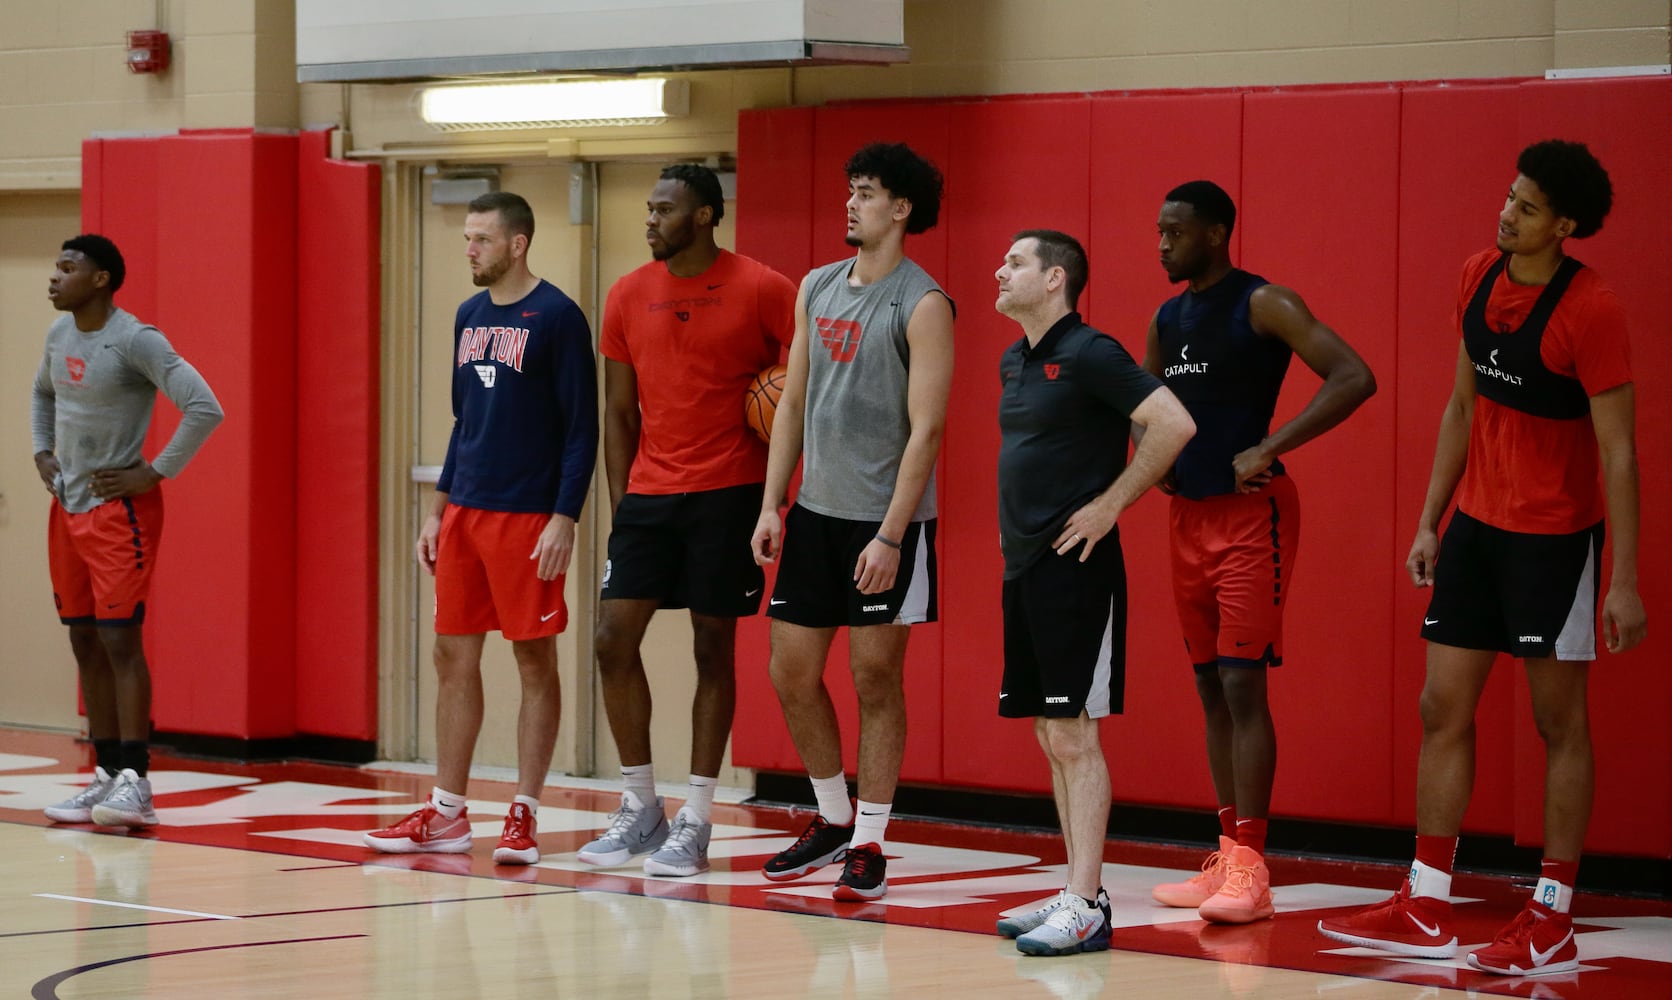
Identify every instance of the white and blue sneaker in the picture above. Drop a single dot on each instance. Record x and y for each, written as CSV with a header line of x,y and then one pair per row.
x,y
1072,927
1020,923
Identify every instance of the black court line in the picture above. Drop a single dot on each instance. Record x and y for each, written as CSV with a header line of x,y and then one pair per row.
x,y
47,989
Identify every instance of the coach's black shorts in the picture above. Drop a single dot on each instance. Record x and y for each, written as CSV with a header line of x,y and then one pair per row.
x,y
1065,635
1526,595
815,586
687,550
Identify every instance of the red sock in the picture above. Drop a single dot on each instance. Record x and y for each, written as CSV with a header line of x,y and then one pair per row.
x,y
1228,821
1565,872
1439,853
1251,833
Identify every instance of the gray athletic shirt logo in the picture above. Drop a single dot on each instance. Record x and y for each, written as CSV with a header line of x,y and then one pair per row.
x,y
856,423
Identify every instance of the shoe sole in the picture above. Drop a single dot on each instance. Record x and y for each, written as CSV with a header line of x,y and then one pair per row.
x,y
614,858
68,815
1181,901
514,856
654,867
791,874
1447,950
851,894
1217,916
114,818
406,845
1515,970
1039,950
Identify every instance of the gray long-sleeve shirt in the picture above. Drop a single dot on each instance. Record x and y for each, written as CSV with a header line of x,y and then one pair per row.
x,y
93,397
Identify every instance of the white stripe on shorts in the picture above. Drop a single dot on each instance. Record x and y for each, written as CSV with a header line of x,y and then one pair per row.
x,y
1097,698
914,607
1578,640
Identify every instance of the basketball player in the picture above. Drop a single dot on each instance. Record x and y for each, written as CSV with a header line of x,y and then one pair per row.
x,y
1069,396
1543,399
869,373
98,380
502,528
1223,346
683,337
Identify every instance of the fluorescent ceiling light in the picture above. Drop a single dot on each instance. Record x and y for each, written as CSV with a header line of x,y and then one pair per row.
x,y
554,104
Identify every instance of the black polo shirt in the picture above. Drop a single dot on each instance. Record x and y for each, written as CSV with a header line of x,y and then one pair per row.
x,y
1065,412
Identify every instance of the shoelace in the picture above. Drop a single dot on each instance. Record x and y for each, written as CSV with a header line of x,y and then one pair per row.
x,y
814,828
1211,865
856,862
1238,880
517,823
623,819
682,834
1520,930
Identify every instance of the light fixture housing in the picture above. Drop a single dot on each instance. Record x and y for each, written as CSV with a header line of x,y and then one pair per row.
x,y
478,107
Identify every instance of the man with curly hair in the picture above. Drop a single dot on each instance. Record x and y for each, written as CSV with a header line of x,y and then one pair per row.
x,y
1542,401
870,370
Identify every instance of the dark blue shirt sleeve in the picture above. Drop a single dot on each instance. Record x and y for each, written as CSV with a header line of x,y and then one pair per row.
x,y
444,484
575,383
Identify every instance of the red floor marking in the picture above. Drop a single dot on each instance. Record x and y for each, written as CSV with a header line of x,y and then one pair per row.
x,y
1625,944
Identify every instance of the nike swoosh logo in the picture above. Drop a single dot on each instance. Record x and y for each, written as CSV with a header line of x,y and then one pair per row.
x,y
528,314
775,602
547,618
1433,931
1541,957
751,593
1241,644
1431,621
720,285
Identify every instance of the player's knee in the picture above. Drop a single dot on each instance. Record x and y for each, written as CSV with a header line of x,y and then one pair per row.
x,y
1245,692
1443,713
1070,739
1562,725
878,685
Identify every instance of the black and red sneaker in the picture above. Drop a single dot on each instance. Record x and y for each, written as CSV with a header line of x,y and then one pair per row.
x,y
864,874
817,846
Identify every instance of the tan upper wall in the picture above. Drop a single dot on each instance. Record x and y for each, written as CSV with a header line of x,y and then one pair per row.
x,y
62,75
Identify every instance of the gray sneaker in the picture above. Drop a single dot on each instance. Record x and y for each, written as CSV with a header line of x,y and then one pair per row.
x,y
1019,924
685,852
632,831
129,802
78,808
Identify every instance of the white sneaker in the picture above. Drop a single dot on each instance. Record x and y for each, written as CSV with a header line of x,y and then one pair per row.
x,y
1018,924
78,808
129,802
1071,928
634,830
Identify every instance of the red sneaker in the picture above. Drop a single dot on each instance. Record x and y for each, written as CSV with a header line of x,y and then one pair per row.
x,y
424,831
1246,895
1418,926
1539,940
517,845
1197,889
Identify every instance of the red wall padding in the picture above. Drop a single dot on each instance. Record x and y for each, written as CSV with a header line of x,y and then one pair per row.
x,y
208,222
1365,200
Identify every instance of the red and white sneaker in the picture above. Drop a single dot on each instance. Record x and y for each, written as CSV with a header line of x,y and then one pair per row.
x,y
517,845
1538,941
1197,889
424,831
1246,895
1418,926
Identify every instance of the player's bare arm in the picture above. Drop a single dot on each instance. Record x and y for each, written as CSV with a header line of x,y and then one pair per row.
x,y
46,466
554,547
1279,312
1614,416
785,448
928,386
621,427
430,533
1451,454
1167,429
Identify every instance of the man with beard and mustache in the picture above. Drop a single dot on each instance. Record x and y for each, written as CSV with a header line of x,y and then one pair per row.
x,y
683,337
502,528
1223,347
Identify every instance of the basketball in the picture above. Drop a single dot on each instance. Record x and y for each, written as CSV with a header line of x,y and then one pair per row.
x,y
761,401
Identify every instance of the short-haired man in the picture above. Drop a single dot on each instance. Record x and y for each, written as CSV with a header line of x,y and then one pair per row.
x,y
867,402
500,533
1069,397
1541,401
98,380
683,337
1223,346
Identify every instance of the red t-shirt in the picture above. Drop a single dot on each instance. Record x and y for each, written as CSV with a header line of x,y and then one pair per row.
x,y
695,344
1535,474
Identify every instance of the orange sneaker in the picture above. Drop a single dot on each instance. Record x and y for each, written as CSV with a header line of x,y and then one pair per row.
x,y
1197,889
1246,895
517,845
422,832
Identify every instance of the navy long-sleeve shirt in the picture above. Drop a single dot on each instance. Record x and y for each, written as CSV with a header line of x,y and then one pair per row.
x,y
525,405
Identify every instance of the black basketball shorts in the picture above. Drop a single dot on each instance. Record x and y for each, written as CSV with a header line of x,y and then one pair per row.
x,y
815,586
687,550
1065,636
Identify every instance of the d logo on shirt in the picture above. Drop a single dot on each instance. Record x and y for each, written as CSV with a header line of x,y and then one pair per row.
x,y
841,336
1052,371
77,368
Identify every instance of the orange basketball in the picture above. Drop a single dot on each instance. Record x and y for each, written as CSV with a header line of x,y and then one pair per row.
x,y
761,401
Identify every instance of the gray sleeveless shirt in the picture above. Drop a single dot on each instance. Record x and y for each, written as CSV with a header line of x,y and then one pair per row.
x,y
857,424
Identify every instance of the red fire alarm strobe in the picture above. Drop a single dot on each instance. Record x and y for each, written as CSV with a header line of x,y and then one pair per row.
x,y
147,51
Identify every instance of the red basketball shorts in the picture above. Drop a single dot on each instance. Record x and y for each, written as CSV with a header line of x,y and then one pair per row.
x,y
101,561
485,580
1233,565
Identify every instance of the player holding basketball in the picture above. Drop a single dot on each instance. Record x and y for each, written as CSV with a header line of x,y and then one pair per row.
x,y
91,405
1069,398
683,337
870,370
502,528
1542,400
1223,346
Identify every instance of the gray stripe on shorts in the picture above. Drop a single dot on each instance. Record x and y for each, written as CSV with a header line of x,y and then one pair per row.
x,y
1097,698
914,607
1578,640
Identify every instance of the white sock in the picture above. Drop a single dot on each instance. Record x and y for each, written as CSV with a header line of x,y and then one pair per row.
x,y
1554,894
641,783
872,820
832,795
532,803
1430,882
699,797
446,803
